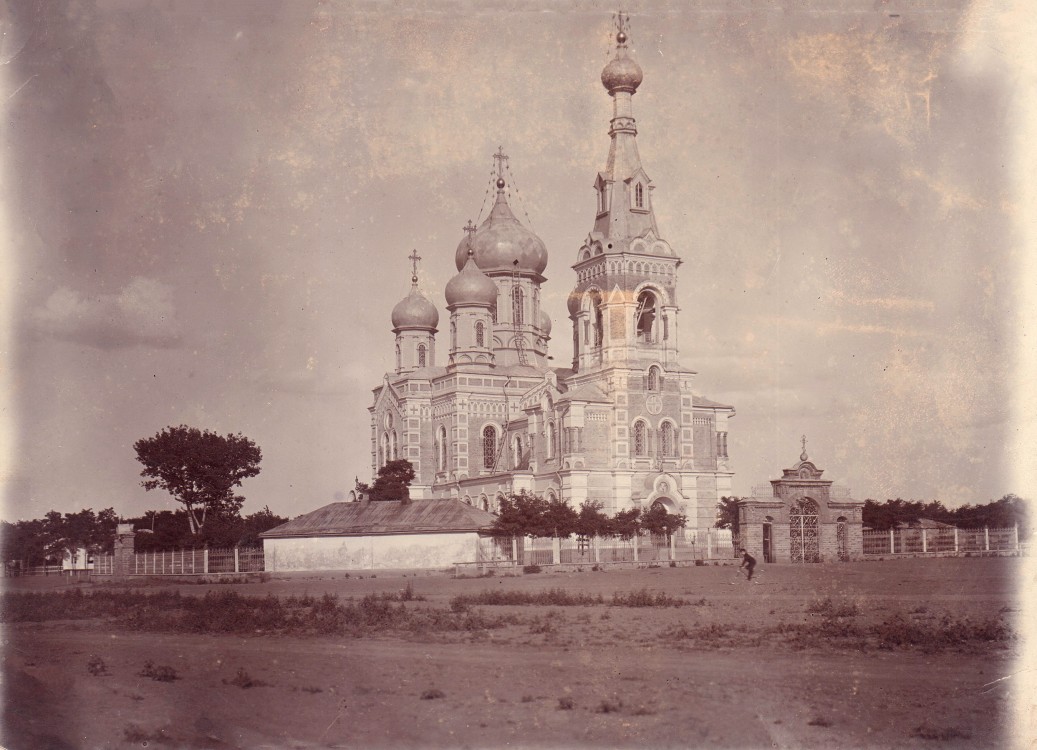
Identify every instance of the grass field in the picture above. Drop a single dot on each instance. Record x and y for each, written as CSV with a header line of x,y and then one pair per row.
x,y
906,653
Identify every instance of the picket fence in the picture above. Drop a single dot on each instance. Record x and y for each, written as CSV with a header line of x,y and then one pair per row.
x,y
941,541
707,544
187,562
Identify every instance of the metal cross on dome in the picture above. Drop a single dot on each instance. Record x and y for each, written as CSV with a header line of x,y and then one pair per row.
x,y
414,258
803,440
501,158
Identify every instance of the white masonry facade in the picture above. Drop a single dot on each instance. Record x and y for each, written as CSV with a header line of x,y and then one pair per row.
x,y
623,425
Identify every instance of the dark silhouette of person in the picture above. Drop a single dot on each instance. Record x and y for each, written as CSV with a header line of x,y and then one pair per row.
x,y
748,562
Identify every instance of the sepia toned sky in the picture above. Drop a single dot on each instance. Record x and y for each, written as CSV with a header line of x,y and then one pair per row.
x,y
208,207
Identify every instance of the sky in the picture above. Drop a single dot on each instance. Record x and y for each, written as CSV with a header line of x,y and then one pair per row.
x,y
207,210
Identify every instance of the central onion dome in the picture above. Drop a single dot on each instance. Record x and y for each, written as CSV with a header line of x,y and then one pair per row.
x,y
415,311
621,73
471,287
501,240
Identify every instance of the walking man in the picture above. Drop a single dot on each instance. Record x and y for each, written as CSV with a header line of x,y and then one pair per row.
x,y
748,562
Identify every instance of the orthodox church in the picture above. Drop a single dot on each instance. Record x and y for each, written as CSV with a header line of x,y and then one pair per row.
x,y
491,415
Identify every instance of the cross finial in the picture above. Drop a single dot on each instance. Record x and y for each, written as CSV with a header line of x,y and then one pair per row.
x,y
803,455
622,19
414,258
501,158
469,230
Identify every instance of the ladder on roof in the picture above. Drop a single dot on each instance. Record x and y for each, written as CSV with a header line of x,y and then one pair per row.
x,y
520,341
504,429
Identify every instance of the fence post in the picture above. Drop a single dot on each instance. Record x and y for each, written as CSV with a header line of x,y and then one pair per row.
x,y
955,538
596,541
205,561
709,544
986,539
1015,536
892,543
556,549
236,560
925,547
635,546
673,548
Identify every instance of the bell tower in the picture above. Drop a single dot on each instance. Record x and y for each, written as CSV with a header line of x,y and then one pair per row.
x,y
624,308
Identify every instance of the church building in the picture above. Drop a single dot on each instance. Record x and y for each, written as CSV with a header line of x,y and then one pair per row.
x,y
485,413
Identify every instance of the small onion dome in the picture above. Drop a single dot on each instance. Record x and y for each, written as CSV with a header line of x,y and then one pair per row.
x,y
500,241
545,322
621,73
415,311
471,287
575,302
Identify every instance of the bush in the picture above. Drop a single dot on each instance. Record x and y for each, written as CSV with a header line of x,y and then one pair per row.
x,y
566,704
160,673
244,681
645,598
96,666
432,694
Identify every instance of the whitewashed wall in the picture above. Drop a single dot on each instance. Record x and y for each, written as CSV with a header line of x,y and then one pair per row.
x,y
406,551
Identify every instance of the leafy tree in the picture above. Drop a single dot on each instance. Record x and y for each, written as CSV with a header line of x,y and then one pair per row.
x,y
393,481
625,524
591,521
660,521
727,514
559,519
521,514
200,469
65,535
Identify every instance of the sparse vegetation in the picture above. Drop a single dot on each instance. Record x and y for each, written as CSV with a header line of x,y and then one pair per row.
x,y
819,721
134,734
942,734
609,707
645,598
827,607
566,703
432,694
161,673
245,681
95,665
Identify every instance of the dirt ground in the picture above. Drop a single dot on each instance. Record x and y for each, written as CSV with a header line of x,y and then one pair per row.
x,y
561,677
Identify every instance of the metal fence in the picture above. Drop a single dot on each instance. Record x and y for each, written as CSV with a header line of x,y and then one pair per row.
x,y
187,562
576,550
940,541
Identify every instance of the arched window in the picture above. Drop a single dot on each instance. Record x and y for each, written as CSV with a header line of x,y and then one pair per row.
x,y
602,200
480,334
385,450
517,452
654,379
645,317
639,195
551,440
421,355
666,439
516,305
453,334
392,445
489,447
640,438
399,358
441,448
598,322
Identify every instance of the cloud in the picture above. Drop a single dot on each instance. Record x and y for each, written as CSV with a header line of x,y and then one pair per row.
x,y
141,314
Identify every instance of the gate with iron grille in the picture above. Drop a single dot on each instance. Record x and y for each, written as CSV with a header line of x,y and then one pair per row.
x,y
803,532
841,540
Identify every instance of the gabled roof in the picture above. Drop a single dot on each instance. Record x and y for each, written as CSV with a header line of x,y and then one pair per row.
x,y
586,392
386,517
700,401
